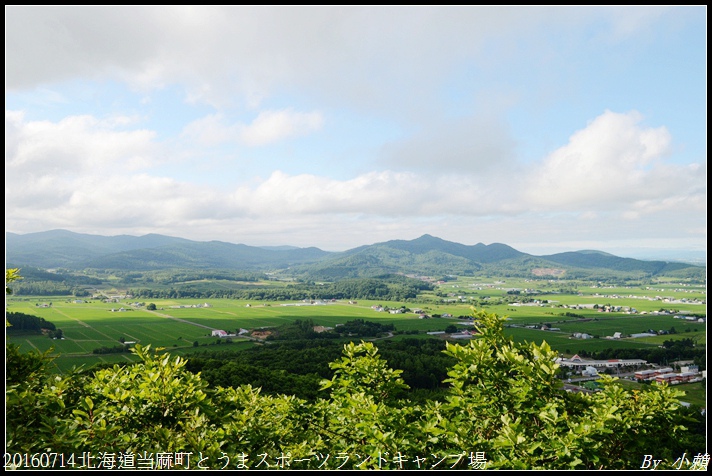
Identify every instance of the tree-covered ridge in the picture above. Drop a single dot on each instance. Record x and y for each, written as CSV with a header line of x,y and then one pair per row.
x,y
385,287
504,408
31,273
587,260
426,255
40,282
207,255
296,367
21,322
64,249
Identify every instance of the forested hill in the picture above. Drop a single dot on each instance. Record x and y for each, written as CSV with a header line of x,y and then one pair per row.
x,y
597,259
432,256
64,249
479,253
426,255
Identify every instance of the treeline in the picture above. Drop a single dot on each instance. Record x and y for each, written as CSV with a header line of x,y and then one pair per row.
x,y
256,294
361,328
48,288
165,277
297,367
20,321
39,282
573,314
305,329
30,274
292,368
298,330
391,288
387,289
62,282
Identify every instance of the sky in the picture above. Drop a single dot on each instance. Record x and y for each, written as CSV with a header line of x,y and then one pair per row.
x,y
548,129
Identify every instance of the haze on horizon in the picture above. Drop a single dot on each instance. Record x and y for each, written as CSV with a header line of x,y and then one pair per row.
x,y
548,129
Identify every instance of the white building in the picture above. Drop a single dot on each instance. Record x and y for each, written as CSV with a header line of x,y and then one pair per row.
x,y
590,371
577,362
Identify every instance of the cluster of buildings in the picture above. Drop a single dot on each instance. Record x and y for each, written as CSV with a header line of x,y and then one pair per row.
x,y
577,363
463,335
688,373
222,333
585,367
689,318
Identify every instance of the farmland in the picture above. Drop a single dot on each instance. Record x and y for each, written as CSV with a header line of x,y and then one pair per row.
x,y
182,325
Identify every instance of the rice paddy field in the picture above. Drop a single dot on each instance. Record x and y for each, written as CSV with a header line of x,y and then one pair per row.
x,y
182,325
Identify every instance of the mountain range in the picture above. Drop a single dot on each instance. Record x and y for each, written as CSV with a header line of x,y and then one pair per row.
x,y
426,255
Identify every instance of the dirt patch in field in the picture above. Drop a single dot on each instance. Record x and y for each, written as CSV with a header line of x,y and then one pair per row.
x,y
548,272
261,334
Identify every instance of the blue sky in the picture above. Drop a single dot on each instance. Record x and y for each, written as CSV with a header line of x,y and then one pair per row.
x,y
546,128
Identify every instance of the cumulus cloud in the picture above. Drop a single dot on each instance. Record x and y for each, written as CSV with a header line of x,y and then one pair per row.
x,y
373,194
48,165
112,201
74,144
613,161
446,89
79,165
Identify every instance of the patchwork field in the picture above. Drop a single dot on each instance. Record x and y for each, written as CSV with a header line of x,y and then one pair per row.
x,y
181,325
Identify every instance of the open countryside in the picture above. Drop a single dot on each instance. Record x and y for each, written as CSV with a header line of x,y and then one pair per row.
x,y
585,320
294,353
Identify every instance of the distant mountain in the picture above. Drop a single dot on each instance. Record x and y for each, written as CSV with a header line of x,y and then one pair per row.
x,y
208,255
65,249
597,259
279,248
426,255
479,253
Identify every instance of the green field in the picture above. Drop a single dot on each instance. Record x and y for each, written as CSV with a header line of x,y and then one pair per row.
x,y
178,324
694,392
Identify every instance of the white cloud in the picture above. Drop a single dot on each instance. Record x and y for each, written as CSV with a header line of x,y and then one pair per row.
x,y
119,201
210,130
343,53
13,136
59,173
272,126
474,145
454,93
76,144
267,128
79,165
614,161
376,193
